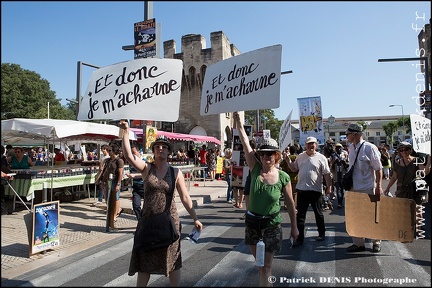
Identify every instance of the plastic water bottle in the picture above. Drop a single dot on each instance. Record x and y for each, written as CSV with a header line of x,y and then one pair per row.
x,y
260,252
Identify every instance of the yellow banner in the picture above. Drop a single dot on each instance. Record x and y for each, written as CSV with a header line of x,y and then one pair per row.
x,y
219,165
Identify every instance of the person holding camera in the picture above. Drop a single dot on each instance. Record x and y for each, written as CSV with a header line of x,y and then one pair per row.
x,y
339,165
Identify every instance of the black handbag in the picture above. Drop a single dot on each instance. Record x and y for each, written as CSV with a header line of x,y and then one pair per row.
x,y
347,178
159,231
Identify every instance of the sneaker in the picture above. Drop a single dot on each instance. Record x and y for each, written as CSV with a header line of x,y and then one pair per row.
x,y
97,203
355,248
230,201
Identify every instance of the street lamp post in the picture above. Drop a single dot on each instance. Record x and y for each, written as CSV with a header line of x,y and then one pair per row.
x,y
425,68
403,120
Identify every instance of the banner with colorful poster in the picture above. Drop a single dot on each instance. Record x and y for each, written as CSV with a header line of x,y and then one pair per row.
x,y
310,122
248,130
285,133
421,133
45,232
239,170
145,39
151,134
219,165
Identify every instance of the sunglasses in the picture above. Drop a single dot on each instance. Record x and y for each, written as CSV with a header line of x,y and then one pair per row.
x,y
266,153
404,150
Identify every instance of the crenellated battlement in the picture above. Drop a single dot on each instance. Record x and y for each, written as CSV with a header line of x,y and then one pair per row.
x,y
196,58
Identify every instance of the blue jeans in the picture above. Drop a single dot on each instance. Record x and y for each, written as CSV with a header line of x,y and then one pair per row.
x,y
101,193
137,195
204,173
229,189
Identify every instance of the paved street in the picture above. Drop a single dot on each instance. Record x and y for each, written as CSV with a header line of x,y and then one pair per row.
x,y
82,226
89,256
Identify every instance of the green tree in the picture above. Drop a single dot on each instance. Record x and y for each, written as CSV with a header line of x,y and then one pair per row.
x,y
364,124
24,94
390,128
405,123
267,120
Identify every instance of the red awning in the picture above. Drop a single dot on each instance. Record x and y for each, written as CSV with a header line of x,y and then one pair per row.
x,y
179,136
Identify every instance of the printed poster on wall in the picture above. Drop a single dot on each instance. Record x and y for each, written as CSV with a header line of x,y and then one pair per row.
x,y
310,122
146,88
249,81
45,230
145,39
151,134
239,170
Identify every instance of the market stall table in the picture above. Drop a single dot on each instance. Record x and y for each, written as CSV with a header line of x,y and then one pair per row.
x,y
27,187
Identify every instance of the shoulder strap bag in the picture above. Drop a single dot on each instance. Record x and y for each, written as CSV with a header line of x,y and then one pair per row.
x,y
347,178
159,231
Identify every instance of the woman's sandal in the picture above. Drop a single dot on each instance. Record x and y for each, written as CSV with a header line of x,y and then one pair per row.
x,y
355,248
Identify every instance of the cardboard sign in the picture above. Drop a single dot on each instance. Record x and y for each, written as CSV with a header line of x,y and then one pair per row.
x,y
147,88
388,219
421,127
249,81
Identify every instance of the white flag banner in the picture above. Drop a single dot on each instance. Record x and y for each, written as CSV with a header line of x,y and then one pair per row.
x,y
421,133
285,133
142,89
249,81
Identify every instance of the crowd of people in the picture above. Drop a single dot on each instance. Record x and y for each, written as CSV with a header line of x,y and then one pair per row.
x,y
298,176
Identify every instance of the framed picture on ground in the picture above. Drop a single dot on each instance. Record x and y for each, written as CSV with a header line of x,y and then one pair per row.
x,y
45,227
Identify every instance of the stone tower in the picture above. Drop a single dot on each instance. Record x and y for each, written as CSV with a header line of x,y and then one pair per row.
x,y
196,58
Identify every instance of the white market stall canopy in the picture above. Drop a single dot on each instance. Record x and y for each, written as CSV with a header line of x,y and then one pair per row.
x,y
22,131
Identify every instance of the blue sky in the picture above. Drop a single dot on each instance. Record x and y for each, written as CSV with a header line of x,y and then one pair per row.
x,y
332,47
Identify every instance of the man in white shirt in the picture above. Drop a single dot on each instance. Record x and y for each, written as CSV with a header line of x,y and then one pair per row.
x,y
367,175
312,166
